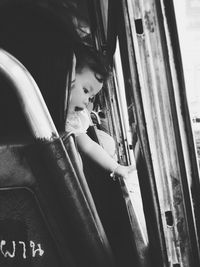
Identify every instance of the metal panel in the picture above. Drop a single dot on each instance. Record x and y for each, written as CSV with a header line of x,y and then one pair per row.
x,y
158,95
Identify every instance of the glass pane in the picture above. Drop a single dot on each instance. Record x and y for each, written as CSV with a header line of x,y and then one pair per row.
x,y
188,23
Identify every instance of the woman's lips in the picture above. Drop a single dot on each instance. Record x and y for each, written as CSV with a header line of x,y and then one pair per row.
x,y
78,109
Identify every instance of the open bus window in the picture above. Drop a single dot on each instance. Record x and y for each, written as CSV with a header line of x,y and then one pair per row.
x,y
119,79
188,23
132,185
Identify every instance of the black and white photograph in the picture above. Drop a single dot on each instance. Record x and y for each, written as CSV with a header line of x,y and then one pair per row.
x,y
99,133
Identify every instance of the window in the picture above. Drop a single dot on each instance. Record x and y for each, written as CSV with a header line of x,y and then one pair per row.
x,y
188,23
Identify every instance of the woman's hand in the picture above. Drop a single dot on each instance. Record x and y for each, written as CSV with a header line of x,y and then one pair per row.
x,y
125,172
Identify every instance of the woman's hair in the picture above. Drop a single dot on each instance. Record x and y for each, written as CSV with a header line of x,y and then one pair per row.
x,y
87,56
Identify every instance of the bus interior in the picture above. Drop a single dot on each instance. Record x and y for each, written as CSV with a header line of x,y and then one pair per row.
x,y
53,212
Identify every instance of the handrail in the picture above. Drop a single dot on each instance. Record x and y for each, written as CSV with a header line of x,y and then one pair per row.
x,y
29,96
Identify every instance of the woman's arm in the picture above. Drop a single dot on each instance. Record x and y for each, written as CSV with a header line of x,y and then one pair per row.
x,y
94,151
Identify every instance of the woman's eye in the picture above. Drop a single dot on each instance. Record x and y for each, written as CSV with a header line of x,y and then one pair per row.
x,y
85,90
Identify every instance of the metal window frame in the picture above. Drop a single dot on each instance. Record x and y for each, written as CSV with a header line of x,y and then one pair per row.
x,y
153,72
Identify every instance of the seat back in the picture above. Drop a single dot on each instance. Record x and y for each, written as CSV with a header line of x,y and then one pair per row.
x,y
41,192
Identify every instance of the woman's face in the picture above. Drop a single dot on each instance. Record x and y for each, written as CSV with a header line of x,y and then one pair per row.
x,y
83,89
